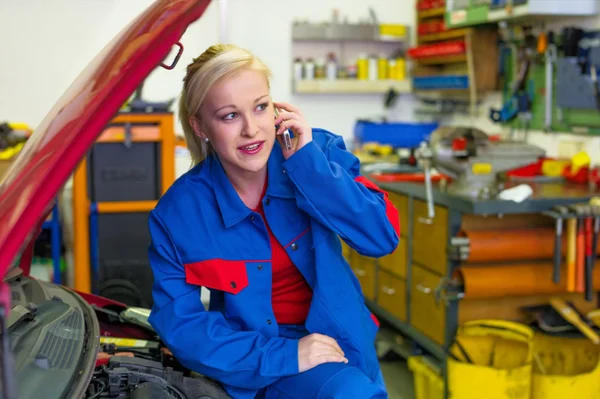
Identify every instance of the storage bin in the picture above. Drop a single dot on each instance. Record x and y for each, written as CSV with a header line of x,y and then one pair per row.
x,y
399,135
438,49
501,355
427,382
565,368
441,82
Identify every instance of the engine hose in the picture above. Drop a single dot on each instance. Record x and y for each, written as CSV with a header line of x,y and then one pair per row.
x,y
149,390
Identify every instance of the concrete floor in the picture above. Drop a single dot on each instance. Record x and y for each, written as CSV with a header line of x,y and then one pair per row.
x,y
398,379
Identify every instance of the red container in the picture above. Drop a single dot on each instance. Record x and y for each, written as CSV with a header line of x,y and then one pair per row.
x,y
438,49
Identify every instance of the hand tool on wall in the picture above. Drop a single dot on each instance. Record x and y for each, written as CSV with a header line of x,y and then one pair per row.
x,y
595,211
425,155
571,253
594,74
551,54
522,91
561,213
572,317
589,255
580,258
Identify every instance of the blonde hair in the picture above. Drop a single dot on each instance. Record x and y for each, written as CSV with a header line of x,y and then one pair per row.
x,y
215,63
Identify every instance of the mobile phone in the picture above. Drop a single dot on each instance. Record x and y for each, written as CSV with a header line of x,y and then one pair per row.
x,y
287,140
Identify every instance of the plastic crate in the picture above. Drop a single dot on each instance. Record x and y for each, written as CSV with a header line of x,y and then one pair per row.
x,y
441,82
398,135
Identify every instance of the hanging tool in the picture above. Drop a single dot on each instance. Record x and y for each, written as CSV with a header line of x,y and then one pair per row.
x,y
425,155
590,256
561,213
521,97
580,258
571,253
594,74
595,211
551,54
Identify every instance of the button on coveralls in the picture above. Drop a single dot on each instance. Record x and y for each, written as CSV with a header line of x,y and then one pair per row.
x,y
203,235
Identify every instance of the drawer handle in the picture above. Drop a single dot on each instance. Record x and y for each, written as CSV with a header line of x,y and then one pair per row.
x,y
423,289
387,290
423,220
360,272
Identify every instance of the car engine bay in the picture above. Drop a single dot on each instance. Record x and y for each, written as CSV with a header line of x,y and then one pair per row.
x,y
67,345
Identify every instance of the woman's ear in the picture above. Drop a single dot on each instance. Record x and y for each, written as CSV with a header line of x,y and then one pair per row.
x,y
197,126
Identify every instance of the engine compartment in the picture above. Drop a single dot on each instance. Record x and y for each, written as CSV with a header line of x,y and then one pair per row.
x,y
68,345
137,378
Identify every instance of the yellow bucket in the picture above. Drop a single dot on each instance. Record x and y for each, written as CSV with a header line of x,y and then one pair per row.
x,y
427,381
500,364
565,368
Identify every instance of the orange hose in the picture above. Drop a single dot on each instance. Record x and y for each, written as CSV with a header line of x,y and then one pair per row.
x,y
526,279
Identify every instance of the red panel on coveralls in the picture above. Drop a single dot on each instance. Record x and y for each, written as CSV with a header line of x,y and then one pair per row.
x,y
223,275
390,209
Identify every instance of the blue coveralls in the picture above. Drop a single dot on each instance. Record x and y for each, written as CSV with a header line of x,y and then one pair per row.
x,y
203,235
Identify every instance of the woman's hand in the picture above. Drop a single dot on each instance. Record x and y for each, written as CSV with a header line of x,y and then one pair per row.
x,y
315,349
290,117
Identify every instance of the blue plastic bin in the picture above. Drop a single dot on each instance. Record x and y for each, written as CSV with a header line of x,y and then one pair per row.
x,y
398,135
441,82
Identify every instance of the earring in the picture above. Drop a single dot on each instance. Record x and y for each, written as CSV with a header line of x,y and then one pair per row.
x,y
206,140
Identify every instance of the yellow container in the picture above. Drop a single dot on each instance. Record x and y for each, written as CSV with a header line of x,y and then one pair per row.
x,y
392,30
362,68
428,383
382,68
501,356
400,69
565,368
554,168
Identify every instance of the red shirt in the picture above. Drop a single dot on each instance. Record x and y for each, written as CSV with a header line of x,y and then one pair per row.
x,y
290,295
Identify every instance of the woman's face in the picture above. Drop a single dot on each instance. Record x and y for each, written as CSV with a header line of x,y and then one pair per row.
x,y
238,119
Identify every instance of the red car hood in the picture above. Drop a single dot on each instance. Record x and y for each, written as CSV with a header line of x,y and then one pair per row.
x,y
57,146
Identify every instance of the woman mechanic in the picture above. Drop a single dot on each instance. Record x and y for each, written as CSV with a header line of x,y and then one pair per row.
x,y
260,227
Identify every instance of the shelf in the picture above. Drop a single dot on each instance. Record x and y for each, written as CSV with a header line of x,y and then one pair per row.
x,y
451,34
434,12
381,39
448,59
538,9
350,86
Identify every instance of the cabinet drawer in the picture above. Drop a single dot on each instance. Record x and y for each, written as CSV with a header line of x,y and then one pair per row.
x,y
430,237
346,251
427,315
364,269
401,203
392,294
396,263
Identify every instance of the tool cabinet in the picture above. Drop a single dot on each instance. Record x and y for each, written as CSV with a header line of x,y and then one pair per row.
x,y
115,187
412,289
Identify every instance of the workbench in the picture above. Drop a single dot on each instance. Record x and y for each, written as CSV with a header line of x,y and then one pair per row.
x,y
407,289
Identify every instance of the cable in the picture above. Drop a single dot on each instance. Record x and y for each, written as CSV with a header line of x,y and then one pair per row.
x,y
100,390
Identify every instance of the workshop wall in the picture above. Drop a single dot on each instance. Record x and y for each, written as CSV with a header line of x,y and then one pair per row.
x,y
60,37
556,144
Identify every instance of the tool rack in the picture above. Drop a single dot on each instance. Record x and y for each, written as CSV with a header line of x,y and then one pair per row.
x,y
452,64
120,180
413,290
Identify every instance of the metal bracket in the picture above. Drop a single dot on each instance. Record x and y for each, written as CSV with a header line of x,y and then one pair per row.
x,y
446,291
176,60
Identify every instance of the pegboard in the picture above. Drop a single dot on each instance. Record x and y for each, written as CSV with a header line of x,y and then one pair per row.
x,y
575,111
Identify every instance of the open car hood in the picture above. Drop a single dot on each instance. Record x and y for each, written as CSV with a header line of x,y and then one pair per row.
x,y
69,130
